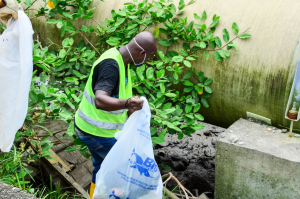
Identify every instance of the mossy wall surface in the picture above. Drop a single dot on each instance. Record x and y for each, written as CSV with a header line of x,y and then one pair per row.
x,y
258,77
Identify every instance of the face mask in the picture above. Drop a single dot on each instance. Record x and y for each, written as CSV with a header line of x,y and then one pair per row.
x,y
132,57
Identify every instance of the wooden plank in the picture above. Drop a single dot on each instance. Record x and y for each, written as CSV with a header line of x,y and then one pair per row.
x,y
57,160
70,180
81,175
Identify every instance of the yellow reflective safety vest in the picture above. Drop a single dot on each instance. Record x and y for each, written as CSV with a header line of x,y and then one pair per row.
x,y
99,122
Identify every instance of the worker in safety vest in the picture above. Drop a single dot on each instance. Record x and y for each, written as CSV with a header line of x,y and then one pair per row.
x,y
107,99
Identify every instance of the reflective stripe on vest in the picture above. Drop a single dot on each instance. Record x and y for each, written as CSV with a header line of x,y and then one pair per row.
x,y
91,100
99,124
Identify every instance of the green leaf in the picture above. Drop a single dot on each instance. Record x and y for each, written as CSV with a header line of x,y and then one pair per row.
x,y
153,131
140,72
158,140
222,53
62,53
50,133
208,81
163,133
202,44
185,46
244,36
207,36
121,12
33,96
235,28
162,87
177,58
233,45
188,75
170,94
161,55
206,55
190,26
199,117
225,35
188,83
183,52
204,102
180,136
227,53
44,141
77,141
47,146
197,17
113,42
198,126
119,22
187,63
159,12
197,107
218,41
71,148
164,42
65,42
46,153
156,32
207,89
214,23
204,16
150,73
218,56
188,108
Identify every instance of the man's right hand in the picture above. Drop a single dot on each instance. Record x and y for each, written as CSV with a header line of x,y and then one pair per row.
x,y
10,10
135,103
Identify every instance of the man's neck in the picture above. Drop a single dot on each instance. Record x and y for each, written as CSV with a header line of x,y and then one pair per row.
x,y
125,55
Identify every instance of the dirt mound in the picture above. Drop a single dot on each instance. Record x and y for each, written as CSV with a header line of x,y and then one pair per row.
x,y
191,160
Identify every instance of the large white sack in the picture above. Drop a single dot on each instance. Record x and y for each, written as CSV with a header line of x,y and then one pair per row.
x,y
15,77
129,171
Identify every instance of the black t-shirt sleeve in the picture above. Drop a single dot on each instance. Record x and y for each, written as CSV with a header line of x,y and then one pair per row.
x,y
106,76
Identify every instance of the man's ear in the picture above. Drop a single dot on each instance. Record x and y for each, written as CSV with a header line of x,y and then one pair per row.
x,y
142,52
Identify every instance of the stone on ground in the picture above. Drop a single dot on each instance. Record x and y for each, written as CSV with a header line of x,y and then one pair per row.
x,y
9,192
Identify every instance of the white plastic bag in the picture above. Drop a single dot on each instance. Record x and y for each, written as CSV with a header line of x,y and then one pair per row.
x,y
129,171
15,77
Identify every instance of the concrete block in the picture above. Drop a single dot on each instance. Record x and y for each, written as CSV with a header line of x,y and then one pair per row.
x,y
262,163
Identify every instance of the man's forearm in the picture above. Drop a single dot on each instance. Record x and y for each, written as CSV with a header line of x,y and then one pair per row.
x,y
108,103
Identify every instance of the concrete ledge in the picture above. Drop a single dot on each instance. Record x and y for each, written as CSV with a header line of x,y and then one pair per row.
x,y
9,192
260,164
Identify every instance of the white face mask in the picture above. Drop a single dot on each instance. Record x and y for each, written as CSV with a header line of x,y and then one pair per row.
x,y
140,64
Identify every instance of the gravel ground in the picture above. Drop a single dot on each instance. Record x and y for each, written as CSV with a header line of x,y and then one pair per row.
x,y
9,192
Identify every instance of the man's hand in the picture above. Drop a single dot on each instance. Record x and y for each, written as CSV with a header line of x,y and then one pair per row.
x,y
10,10
135,103
129,112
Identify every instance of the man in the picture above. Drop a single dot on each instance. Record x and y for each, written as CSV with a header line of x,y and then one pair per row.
x,y
108,96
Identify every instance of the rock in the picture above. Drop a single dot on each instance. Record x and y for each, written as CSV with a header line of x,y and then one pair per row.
x,y
231,131
166,143
203,196
297,136
284,130
189,147
183,145
213,141
207,133
269,129
161,153
178,166
241,143
279,131
233,139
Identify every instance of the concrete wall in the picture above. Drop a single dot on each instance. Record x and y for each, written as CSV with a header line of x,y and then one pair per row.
x,y
262,165
258,77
